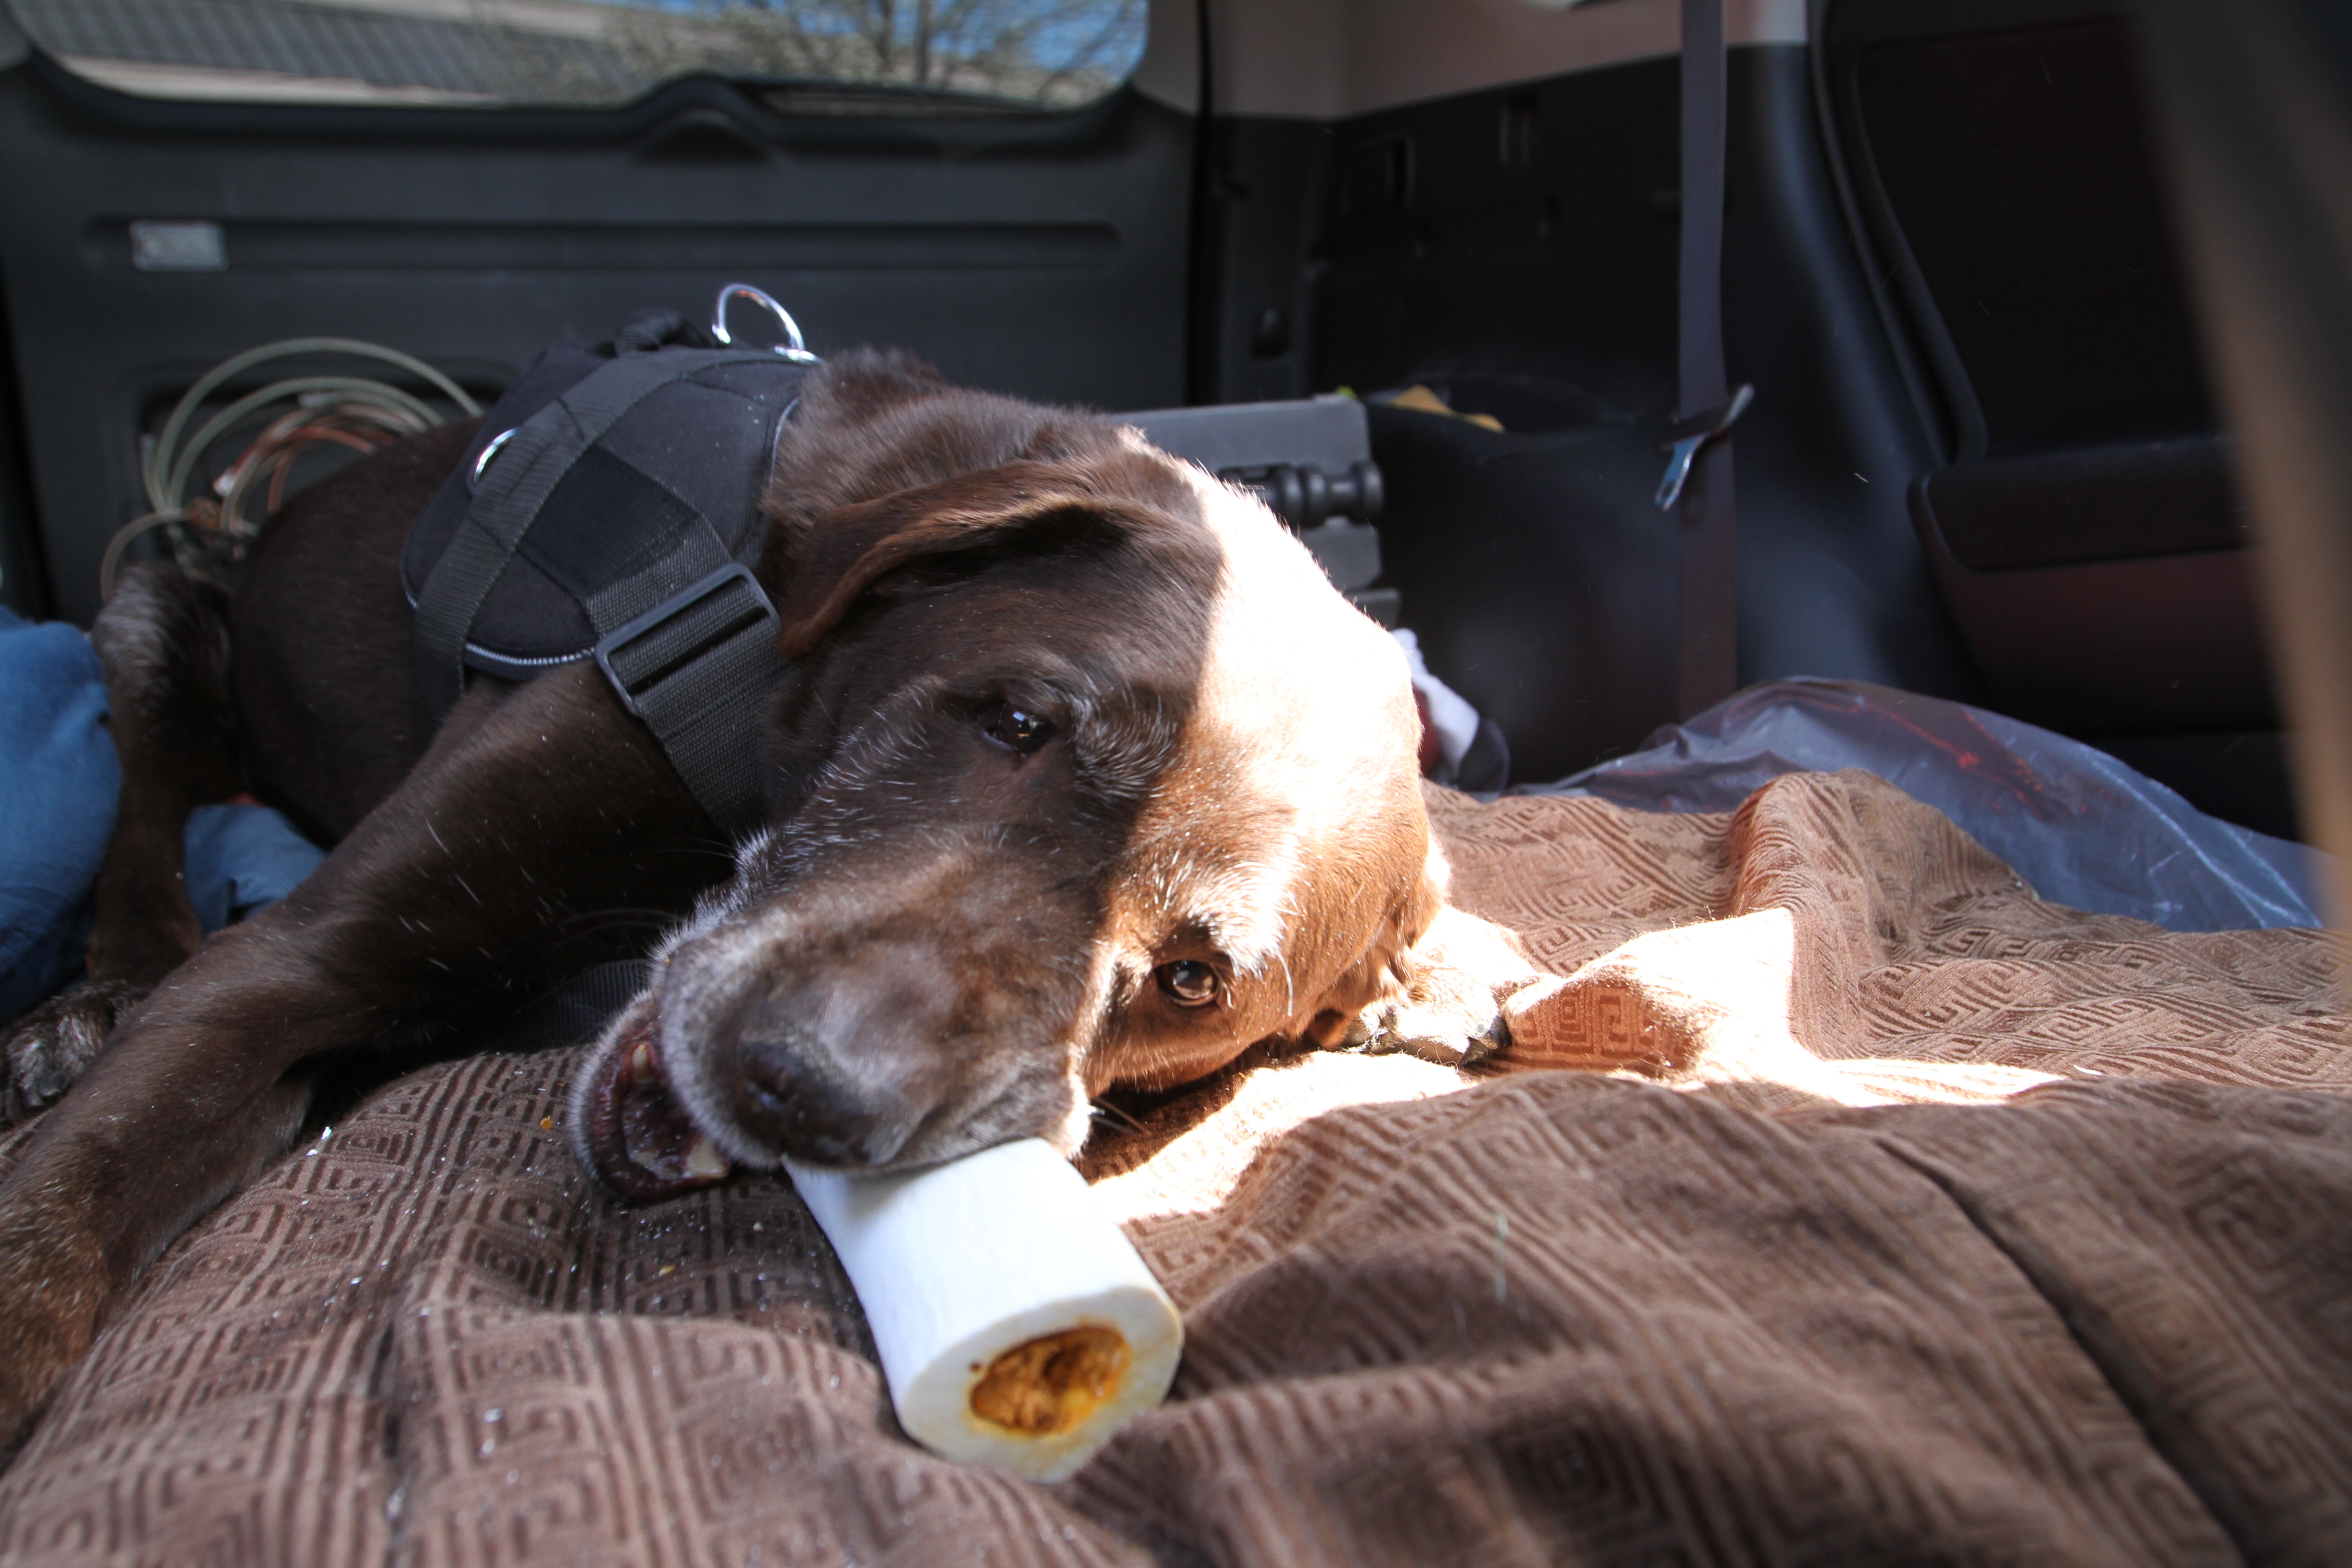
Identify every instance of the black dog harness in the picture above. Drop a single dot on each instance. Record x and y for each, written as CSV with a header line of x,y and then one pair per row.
x,y
608,509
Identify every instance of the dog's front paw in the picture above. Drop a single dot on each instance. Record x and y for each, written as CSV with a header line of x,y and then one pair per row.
x,y
49,1047
1455,981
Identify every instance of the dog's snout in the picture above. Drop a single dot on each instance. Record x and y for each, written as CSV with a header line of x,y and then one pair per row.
x,y
832,1075
782,1088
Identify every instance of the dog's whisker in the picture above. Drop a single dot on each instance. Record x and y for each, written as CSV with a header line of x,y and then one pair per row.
x,y
1104,1107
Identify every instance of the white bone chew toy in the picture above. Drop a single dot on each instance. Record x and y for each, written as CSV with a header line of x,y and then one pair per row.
x,y
1017,1326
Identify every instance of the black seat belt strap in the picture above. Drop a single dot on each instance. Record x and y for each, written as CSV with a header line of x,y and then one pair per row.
x,y
1698,489
528,464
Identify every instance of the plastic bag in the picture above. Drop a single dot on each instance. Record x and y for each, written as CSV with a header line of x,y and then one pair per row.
x,y
2081,827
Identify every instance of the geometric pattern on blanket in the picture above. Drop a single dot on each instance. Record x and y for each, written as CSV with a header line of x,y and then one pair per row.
x,y
1839,939
1560,1318
1896,1217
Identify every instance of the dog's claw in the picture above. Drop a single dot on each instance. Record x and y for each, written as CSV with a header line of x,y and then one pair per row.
x,y
49,1047
1451,1036
1452,1008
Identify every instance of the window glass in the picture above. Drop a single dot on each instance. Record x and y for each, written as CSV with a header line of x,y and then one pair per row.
x,y
838,56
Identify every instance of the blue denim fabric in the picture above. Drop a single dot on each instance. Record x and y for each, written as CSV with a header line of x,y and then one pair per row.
x,y
241,859
57,784
58,779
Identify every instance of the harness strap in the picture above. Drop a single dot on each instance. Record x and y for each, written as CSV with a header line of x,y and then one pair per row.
x,y
575,1011
689,642
516,485
1708,591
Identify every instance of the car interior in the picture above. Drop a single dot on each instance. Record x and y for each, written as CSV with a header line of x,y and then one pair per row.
x,y
2039,300
1984,461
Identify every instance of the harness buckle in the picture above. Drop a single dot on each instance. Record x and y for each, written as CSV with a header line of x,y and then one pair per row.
x,y
641,654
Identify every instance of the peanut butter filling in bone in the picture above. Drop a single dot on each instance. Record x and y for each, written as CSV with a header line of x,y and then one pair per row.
x,y
1004,1247
1053,1382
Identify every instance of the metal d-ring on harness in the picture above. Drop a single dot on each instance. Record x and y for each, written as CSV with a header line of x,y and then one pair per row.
x,y
793,348
613,459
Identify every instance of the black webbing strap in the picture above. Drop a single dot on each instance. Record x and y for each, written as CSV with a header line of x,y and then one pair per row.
x,y
1698,476
528,467
689,642
575,1011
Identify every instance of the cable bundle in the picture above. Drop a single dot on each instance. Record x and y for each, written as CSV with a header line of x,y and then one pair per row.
x,y
210,535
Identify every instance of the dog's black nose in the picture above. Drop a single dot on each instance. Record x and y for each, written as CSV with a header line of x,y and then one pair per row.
x,y
784,1089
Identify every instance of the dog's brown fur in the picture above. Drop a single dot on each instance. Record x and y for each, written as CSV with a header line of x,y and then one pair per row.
x,y
1083,776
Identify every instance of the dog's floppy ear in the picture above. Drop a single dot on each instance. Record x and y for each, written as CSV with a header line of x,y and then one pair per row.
x,y
843,551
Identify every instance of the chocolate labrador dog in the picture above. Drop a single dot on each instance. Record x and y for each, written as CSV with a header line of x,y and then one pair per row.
x,y
1082,775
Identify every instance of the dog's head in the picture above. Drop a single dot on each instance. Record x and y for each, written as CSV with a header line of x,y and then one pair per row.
x,y
1084,775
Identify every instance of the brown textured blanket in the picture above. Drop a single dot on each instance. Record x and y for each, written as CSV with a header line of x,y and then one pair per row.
x,y
1905,1219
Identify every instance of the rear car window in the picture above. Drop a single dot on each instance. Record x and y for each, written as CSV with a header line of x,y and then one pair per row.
x,y
827,57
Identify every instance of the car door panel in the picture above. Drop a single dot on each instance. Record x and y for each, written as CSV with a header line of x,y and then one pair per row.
x,y
1043,256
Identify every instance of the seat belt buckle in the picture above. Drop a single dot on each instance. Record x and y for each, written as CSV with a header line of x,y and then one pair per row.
x,y
639,655
1687,438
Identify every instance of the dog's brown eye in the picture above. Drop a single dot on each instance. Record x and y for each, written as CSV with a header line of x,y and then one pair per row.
x,y
1188,982
1022,731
